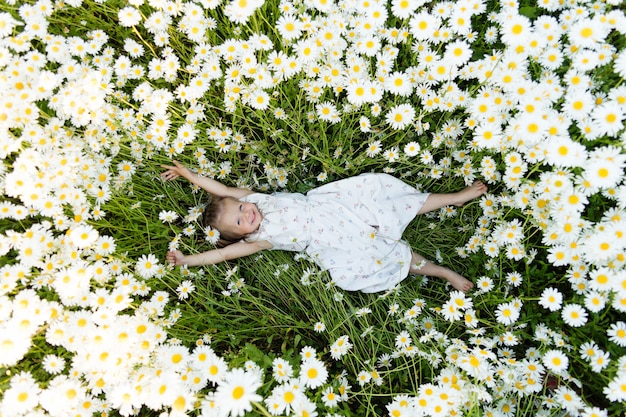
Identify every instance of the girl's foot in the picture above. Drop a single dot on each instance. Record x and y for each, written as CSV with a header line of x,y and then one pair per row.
x,y
469,193
458,281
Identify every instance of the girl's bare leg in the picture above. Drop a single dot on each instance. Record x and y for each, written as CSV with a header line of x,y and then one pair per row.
x,y
437,201
421,266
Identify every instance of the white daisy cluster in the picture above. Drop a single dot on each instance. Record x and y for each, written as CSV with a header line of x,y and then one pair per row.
x,y
532,117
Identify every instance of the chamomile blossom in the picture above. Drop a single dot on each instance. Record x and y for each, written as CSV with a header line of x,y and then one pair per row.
x,y
551,299
148,266
507,313
129,16
400,116
484,284
340,347
211,235
313,373
282,370
319,327
555,360
617,333
184,289
53,364
374,148
237,391
168,216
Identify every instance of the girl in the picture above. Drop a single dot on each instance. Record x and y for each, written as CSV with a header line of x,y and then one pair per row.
x,y
351,227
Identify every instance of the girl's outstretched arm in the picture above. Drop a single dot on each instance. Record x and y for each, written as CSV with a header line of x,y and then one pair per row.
x,y
214,256
210,185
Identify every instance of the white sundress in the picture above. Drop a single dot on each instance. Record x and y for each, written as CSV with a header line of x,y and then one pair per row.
x,y
351,227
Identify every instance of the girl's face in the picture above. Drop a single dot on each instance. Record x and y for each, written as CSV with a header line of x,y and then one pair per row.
x,y
238,217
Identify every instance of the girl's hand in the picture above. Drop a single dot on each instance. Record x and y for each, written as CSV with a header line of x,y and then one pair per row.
x,y
175,257
173,172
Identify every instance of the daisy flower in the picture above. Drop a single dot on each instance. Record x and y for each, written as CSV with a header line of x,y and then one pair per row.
x,y
555,360
364,124
211,235
484,284
615,391
374,148
617,333
184,289
393,309
364,377
605,167
289,26
403,9
329,397
279,113
574,315
328,112
129,16
340,347
423,25
568,399
400,116
588,33
595,301
236,393
281,370
22,396
307,353
364,91
398,83
507,313
53,364
609,118
515,30
258,99
450,311
514,278
563,152
412,148
189,230
588,350
578,104
304,407
392,154
240,11
403,339
133,48
147,266
284,397
168,216
551,299
600,246
600,361
588,411
83,236
313,373
319,327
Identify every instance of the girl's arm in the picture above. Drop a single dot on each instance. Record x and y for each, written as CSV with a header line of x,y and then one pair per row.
x,y
214,256
210,185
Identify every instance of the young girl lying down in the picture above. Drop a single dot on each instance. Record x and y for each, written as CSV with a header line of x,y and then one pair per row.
x,y
352,227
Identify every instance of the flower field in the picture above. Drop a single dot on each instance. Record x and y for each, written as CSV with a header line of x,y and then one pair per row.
x,y
279,95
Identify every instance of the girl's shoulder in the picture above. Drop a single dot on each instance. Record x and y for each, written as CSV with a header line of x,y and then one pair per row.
x,y
260,196
256,196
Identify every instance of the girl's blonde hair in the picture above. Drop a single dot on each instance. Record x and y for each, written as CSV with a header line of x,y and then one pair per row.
x,y
211,217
